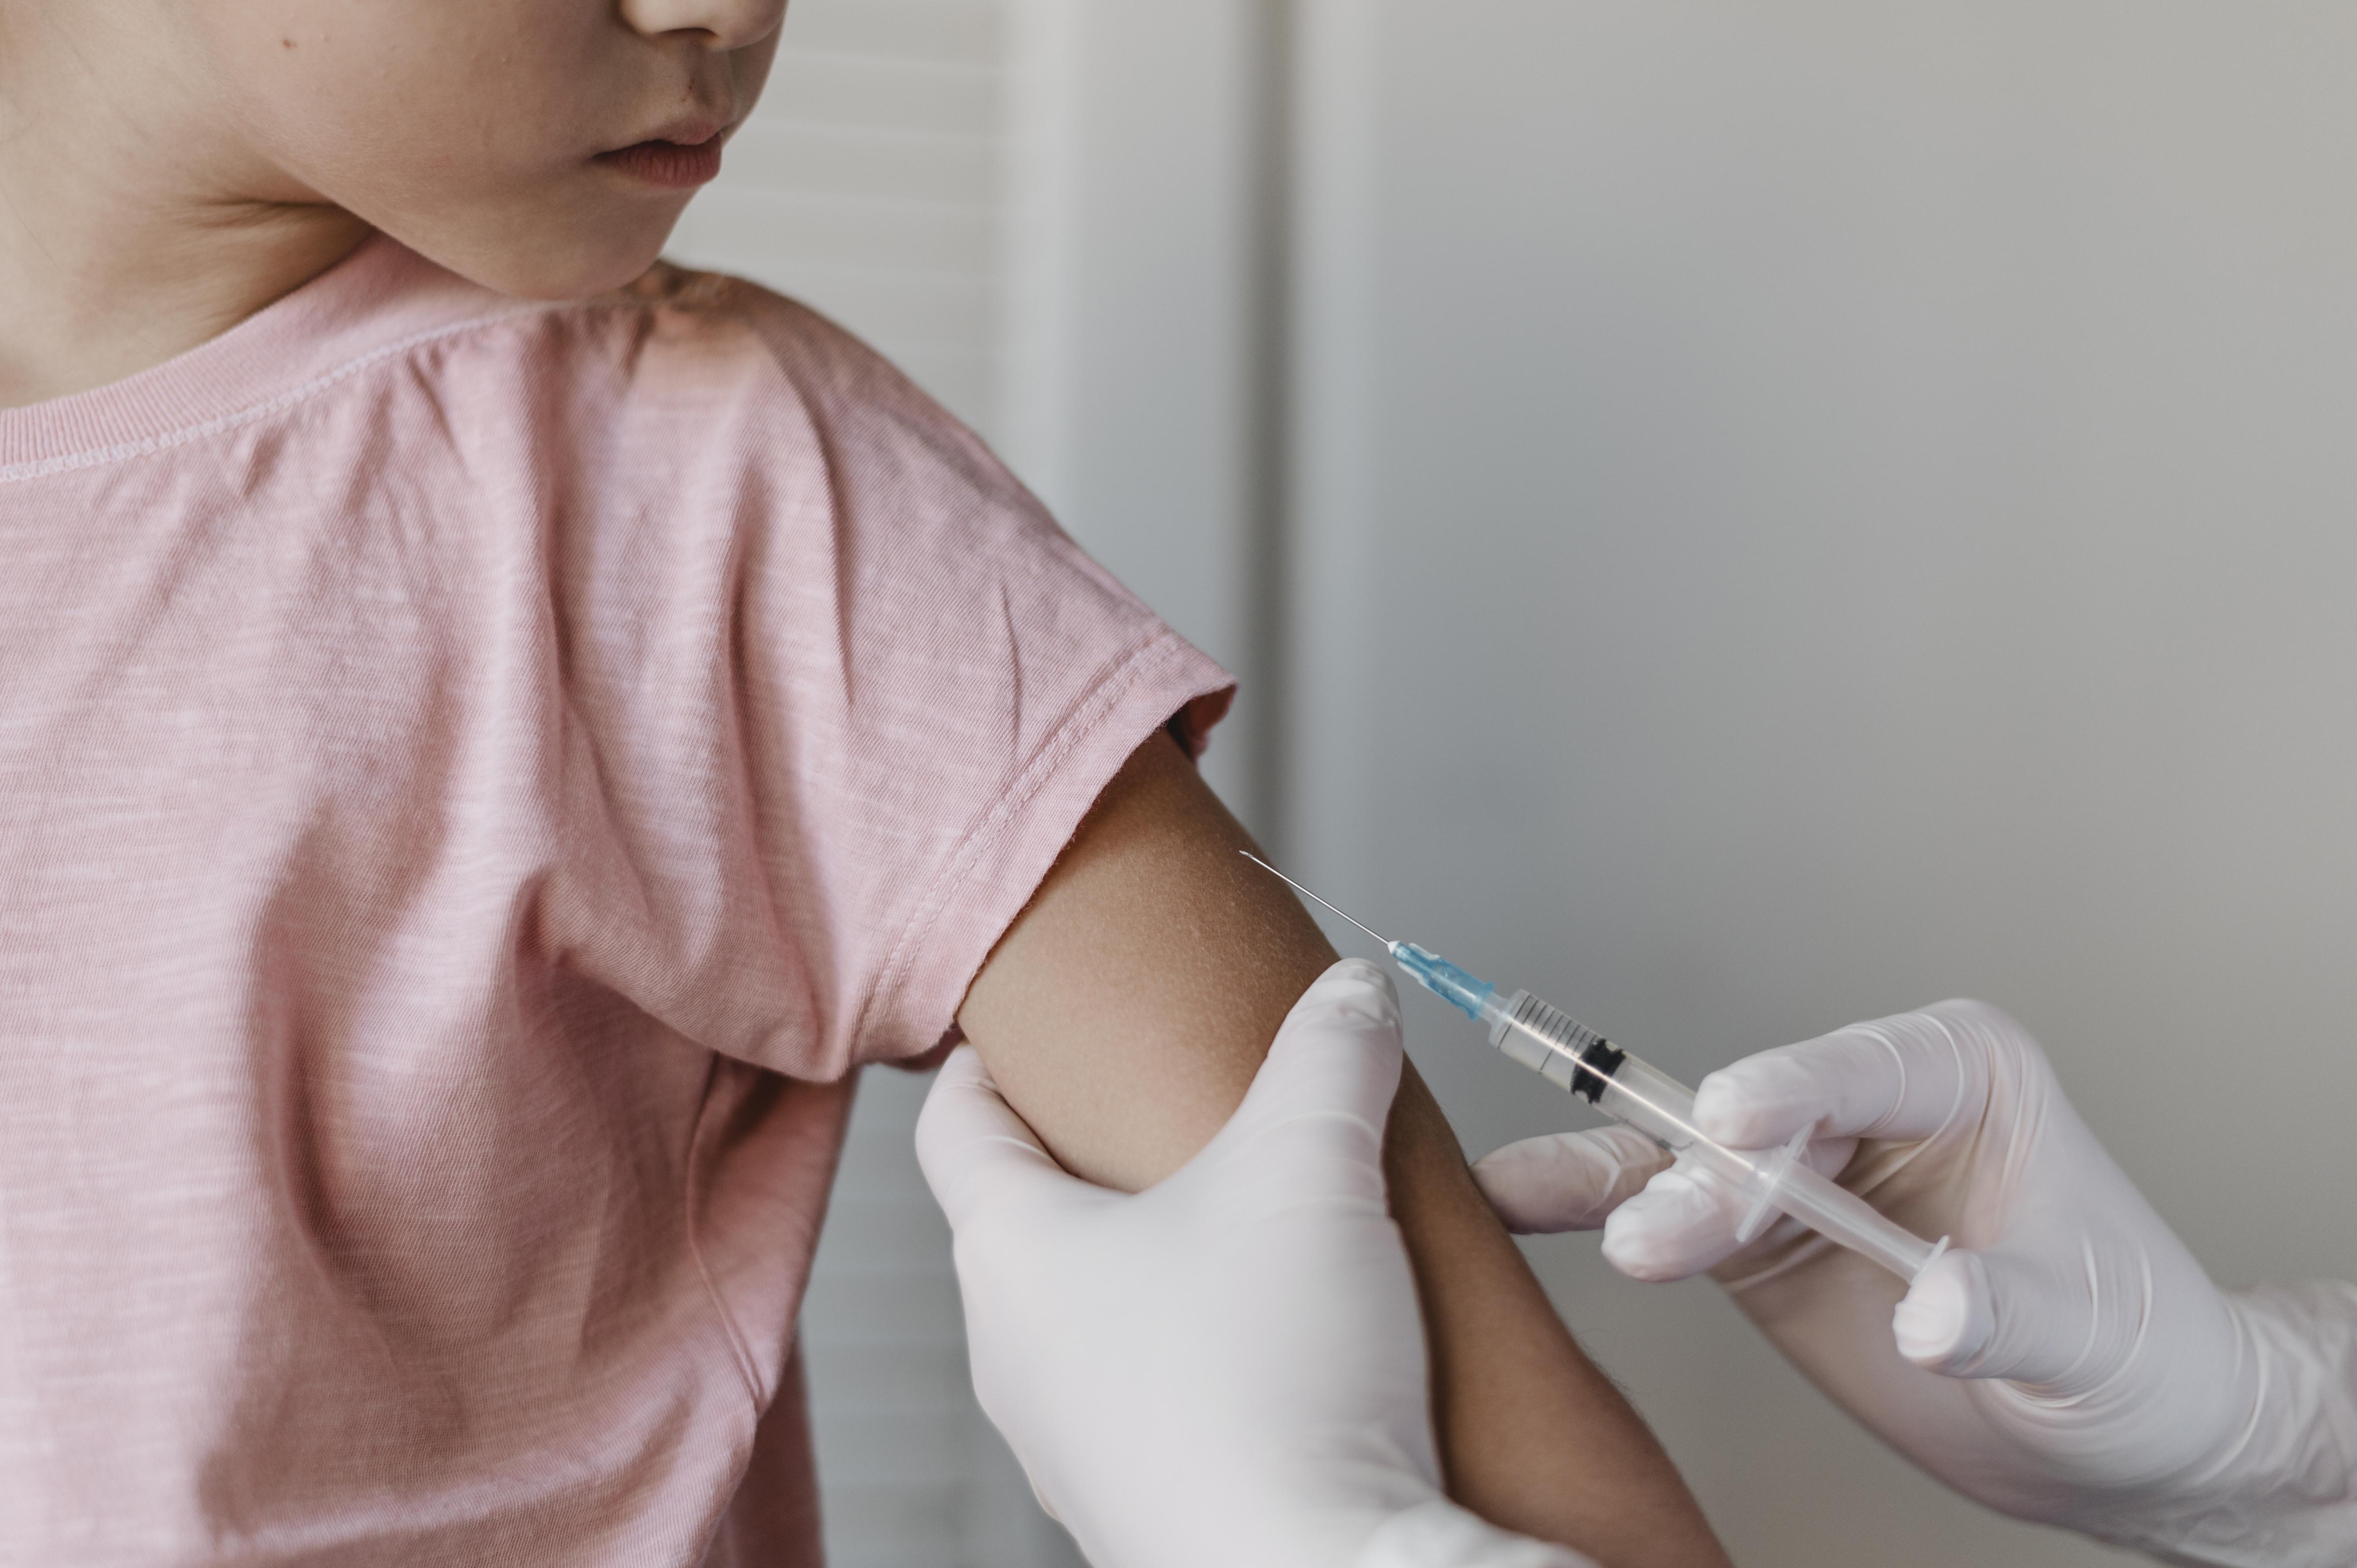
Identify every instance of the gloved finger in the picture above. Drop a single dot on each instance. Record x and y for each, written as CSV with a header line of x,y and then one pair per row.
x,y
976,1154
1902,1077
1569,1181
1994,1315
1312,1122
1685,1220
1681,1224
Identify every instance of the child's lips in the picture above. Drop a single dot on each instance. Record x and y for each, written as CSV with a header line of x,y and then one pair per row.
x,y
683,153
674,165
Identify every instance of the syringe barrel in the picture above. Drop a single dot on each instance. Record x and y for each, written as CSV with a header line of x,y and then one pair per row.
x,y
1574,1056
1552,1043
1654,1103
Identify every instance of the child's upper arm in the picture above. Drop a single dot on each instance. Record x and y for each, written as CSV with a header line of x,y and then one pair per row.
x,y
1124,1014
1127,1009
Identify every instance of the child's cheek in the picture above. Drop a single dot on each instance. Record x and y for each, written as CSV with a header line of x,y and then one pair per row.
x,y
463,127
467,93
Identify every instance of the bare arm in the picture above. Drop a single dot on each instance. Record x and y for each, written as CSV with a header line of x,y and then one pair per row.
x,y
1124,1015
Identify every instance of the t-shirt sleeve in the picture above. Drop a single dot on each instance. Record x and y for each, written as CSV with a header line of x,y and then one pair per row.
x,y
855,692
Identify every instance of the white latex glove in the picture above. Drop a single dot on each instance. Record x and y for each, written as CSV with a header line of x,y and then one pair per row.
x,y
1228,1368
2069,1363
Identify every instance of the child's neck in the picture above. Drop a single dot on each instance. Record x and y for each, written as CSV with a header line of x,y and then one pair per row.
x,y
126,239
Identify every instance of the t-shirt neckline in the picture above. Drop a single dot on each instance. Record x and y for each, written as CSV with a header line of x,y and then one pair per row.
x,y
379,299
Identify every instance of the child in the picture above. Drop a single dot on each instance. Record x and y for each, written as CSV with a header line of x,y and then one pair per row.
x,y
491,735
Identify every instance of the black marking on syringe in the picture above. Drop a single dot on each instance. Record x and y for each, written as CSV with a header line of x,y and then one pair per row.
x,y
1594,1059
1596,1063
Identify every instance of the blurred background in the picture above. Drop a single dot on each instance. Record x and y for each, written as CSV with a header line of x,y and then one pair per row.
x,y
1739,517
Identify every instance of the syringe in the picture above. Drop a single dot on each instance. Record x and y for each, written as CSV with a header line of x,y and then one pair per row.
x,y
1571,1055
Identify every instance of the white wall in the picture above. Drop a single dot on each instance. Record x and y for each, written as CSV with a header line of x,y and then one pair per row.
x,y
1809,508
1136,391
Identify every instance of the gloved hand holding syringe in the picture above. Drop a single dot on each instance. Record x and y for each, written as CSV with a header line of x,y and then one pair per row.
x,y
1575,1058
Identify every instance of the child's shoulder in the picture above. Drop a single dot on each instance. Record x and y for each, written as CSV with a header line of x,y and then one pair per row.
x,y
674,334
720,311
714,318
684,382
390,345
751,361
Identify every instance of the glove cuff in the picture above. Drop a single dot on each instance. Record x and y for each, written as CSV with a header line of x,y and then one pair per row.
x,y
1440,1535
2283,1493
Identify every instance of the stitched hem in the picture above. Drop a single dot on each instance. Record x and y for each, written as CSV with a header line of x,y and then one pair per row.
x,y
97,457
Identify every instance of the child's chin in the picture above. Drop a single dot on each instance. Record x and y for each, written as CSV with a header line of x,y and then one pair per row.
x,y
552,274
549,266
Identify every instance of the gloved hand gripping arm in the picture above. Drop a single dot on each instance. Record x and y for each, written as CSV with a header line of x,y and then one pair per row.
x,y
2069,1362
1228,1366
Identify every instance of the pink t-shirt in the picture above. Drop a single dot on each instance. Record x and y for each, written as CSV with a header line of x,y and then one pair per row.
x,y
475,777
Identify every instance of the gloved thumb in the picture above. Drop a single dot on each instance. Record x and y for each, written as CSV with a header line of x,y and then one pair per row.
x,y
1567,1181
1319,1104
976,1154
1995,1314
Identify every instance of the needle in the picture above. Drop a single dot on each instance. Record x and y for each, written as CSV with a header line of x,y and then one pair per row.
x,y
1289,882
